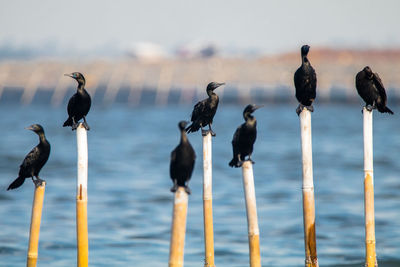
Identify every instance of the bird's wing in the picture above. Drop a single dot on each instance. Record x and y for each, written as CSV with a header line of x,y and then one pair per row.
x,y
32,156
235,141
172,164
198,109
71,104
379,85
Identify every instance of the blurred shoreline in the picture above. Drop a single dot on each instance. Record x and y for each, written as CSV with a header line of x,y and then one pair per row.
x,y
183,80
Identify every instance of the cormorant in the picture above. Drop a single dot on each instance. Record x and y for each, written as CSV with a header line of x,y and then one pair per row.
x,y
79,103
370,88
305,81
204,111
182,161
244,137
34,161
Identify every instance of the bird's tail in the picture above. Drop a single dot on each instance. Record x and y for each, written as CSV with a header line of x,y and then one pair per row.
x,y
192,128
384,109
17,183
68,122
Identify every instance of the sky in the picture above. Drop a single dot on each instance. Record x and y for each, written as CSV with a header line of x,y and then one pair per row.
x,y
268,26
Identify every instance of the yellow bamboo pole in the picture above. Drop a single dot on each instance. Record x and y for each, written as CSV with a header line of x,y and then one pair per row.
x,y
310,243
178,229
207,202
35,225
370,253
251,210
81,198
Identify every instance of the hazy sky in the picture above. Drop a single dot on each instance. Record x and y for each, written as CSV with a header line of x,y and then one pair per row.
x,y
270,26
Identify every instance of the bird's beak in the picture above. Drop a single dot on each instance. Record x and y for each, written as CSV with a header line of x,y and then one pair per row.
x,y
69,75
29,128
258,106
219,84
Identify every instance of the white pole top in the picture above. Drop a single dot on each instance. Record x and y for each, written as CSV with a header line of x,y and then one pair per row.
x,y
81,140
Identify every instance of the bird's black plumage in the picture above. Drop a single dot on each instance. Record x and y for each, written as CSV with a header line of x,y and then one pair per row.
x,y
34,161
204,111
182,161
244,137
305,81
370,87
79,104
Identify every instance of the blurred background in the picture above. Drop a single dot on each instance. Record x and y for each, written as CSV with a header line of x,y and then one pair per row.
x,y
146,63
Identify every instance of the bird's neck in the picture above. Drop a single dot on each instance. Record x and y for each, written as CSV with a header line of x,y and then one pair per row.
x,y
210,93
250,120
184,138
42,138
304,59
81,86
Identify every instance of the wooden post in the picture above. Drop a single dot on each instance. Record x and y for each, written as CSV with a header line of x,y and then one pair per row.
x,y
207,202
81,198
35,225
178,229
251,210
370,253
308,191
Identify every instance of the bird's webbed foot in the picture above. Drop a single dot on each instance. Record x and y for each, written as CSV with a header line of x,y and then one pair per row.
x,y
38,182
85,124
249,159
211,131
300,108
239,164
74,124
187,190
205,132
174,187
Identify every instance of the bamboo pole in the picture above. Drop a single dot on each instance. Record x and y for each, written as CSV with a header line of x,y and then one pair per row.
x,y
178,229
251,210
35,225
370,253
207,202
81,198
311,259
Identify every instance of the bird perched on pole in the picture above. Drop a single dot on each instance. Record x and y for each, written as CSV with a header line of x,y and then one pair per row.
x,y
34,161
244,137
79,104
305,81
370,87
182,161
204,111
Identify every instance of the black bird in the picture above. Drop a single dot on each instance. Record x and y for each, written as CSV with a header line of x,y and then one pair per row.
x,y
244,137
204,111
182,161
370,87
79,103
34,161
305,81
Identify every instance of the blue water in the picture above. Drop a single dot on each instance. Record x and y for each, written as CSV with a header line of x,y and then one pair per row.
x,y
130,206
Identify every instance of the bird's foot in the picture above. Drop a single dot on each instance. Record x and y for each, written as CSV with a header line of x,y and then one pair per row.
x,y
239,164
74,126
205,132
174,188
187,190
86,126
38,182
301,107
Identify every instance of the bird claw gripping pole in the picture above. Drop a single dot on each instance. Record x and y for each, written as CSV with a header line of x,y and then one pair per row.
x,y
308,190
207,202
35,224
81,198
370,252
